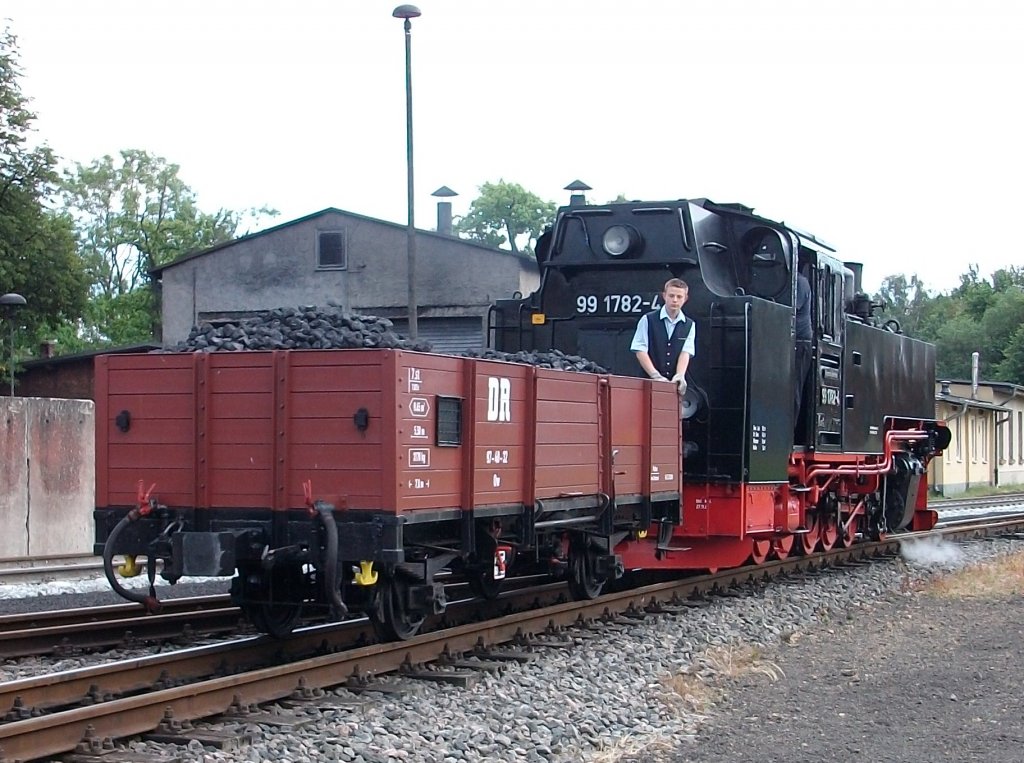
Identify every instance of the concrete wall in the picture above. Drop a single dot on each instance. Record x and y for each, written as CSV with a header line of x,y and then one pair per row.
x,y
47,476
278,268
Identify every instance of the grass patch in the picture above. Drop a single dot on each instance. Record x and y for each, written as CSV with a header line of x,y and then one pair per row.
x,y
1000,578
696,687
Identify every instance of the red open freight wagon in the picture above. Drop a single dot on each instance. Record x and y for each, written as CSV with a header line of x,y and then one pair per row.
x,y
418,462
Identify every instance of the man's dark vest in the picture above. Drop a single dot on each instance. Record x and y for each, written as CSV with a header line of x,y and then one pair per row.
x,y
662,349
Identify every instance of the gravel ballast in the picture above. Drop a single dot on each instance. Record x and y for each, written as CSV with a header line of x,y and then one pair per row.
x,y
848,664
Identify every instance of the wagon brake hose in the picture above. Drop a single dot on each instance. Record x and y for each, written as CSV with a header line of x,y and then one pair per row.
x,y
325,512
144,507
150,601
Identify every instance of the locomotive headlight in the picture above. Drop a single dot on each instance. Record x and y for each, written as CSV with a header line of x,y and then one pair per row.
x,y
621,240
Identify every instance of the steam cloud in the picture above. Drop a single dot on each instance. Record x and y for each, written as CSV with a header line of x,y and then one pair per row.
x,y
931,551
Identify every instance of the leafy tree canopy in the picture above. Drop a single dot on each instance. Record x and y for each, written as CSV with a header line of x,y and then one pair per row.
x,y
506,214
133,213
983,316
37,244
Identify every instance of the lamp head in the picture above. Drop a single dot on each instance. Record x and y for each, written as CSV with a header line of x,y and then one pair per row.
x,y
406,12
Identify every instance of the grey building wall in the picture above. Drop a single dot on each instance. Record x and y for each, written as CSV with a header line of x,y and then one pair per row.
x,y
278,267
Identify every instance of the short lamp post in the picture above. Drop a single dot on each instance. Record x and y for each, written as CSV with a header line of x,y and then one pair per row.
x,y
11,302
408,12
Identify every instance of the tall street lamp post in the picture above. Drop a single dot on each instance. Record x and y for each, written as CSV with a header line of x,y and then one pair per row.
x,y
11,302
408,12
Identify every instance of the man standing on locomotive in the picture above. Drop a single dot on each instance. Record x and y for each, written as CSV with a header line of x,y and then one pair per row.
x,y
664,340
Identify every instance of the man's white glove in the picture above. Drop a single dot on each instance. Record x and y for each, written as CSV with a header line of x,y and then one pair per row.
x,y
680,383
657,376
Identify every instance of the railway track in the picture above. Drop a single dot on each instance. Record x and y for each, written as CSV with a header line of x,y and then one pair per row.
x,y
992,503
52,714
186,619
34,569
91,628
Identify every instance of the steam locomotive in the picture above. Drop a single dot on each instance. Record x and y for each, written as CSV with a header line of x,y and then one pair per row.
x,y
325,482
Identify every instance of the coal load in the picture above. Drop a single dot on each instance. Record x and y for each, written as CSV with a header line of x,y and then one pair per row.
x,y
331,328
554,359
299,328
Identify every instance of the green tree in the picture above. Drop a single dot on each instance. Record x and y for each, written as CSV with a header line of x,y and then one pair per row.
x,y
1005,279
905,300
975,294
505,213
131,214
957,339
1011,367
37,245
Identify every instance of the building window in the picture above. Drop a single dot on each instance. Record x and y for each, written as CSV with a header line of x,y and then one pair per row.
x,y
974,439
959,441
984,440
330,249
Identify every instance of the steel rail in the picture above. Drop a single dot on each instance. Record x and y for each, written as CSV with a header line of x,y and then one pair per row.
x,y
25,636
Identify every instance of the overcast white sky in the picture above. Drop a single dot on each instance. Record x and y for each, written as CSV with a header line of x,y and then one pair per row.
x,y
889,128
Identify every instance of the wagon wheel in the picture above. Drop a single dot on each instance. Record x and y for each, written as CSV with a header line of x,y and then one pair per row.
x,y
829,533
760,549
847,533
782,546
482,583
583,581
480,574
391,615
809,539
281,611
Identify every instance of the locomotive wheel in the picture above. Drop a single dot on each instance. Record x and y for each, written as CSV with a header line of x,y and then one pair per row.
x,y
782,546
583,581
761,548
390,614
829,533
809,539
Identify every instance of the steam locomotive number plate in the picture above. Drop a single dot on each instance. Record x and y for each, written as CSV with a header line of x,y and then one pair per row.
x,y
616,304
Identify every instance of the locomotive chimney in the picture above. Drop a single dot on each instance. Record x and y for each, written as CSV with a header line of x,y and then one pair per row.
x,y
577,188
444,210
